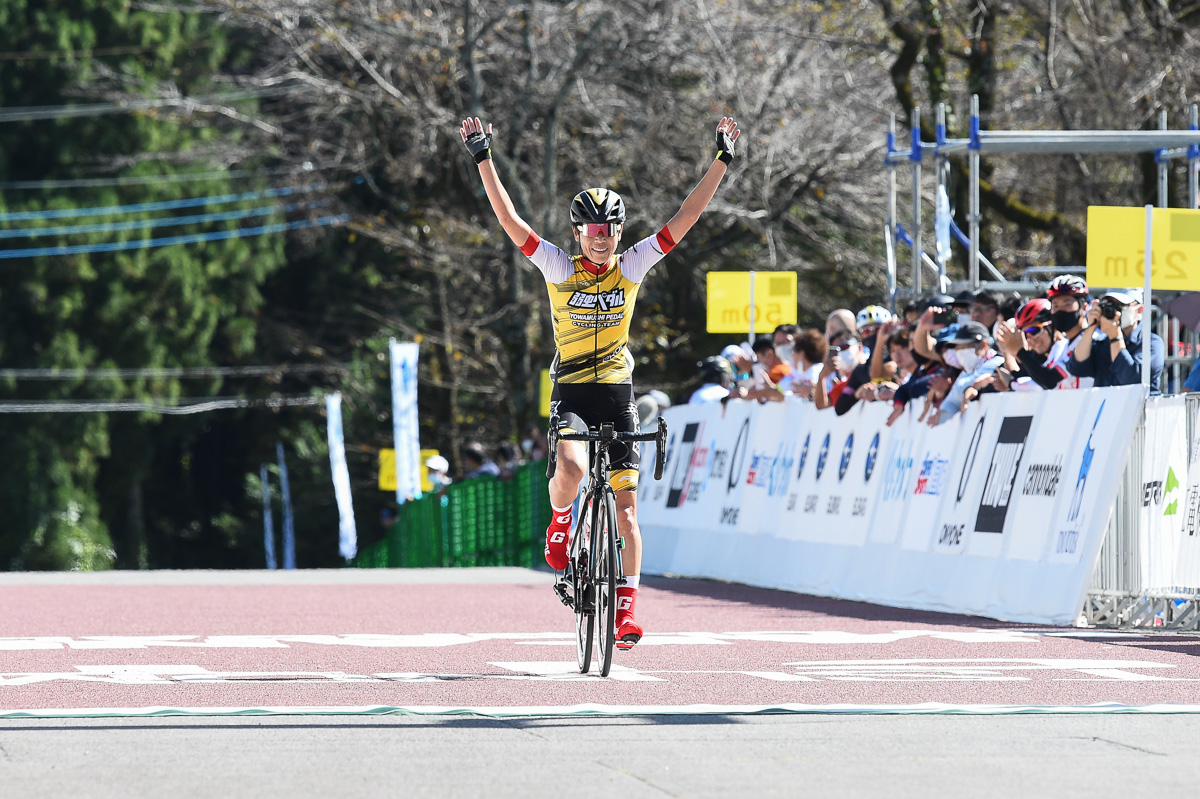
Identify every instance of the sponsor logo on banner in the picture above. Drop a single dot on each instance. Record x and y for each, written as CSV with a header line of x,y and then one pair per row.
x,y
1085,467
847,451
1193,510
681,476
803,455
1041,479
780,474
932,477
822,456
1169,495
872,457
738,456
899,464
969,462
1002,474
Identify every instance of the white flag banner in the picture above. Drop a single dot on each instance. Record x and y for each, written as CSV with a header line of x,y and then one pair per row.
x,y
347,533
941,227
405,435
999,512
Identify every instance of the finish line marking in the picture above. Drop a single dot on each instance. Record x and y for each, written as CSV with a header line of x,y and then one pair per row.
x,y
594,710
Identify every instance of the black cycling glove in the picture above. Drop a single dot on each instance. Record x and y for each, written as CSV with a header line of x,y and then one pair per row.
x,y
724,147
479,145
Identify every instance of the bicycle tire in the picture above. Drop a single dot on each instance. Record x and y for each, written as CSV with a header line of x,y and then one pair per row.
x,y
604,545
581,579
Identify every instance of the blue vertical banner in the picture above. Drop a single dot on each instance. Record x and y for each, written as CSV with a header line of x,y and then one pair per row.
x,y
268,518
289,522
347,533
406,438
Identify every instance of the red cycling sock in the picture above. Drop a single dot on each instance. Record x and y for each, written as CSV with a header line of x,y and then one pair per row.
x,y
626,597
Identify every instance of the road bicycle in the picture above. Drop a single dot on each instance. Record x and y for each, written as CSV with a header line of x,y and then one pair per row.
x,y
589,583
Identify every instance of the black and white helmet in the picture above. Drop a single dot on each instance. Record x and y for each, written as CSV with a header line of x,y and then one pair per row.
x,y
597,206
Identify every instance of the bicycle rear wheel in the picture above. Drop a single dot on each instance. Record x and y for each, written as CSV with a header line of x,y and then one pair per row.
x,y
585,601
604,547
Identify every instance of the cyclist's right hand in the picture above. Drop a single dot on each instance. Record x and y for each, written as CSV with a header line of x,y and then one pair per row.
x,y
477,141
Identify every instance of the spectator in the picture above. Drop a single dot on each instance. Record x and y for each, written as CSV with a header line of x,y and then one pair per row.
x,y
661,398
927,372
439,472
476,462
784,336
741,358
808,353
912,312
1114,357
1034,346
1193,381
840,322
898,343
972,353
533,442
1010,306
716,378
962,306
847,362
506,459
770,369
1068,297
647,412
985,308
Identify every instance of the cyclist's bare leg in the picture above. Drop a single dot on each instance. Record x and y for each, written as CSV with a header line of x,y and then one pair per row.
x,y
627,525
568,473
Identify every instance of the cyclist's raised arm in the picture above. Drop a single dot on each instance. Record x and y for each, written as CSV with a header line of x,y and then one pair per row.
x,y
701,196
479,143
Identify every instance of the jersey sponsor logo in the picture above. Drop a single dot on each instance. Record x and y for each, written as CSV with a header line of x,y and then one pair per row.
x,y
603,300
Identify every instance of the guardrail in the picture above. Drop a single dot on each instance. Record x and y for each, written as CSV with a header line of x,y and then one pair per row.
x,y
1128,589
478,522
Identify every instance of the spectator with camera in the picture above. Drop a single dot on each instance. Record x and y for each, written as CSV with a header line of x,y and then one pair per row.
x,y
971,352
1033,349
1114,356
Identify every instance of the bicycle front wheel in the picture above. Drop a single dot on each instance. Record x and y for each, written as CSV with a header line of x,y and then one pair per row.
x,y
604,547
585,602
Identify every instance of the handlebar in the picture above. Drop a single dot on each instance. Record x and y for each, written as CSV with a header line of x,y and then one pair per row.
x,y
607,434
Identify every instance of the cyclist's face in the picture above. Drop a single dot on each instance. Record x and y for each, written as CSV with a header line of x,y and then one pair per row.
x,y
598,249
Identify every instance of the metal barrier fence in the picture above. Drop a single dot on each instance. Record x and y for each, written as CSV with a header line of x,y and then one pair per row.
x,y
1117,597
478,522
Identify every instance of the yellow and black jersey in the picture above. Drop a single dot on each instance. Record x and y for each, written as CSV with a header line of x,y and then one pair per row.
x,y
592,309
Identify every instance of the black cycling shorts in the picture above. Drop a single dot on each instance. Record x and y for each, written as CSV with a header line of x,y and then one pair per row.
x,y
580,406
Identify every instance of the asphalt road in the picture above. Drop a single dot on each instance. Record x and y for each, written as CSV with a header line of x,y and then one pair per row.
x,y
873,693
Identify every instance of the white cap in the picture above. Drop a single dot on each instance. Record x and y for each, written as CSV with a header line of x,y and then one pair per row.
x,y
1125,296
436,463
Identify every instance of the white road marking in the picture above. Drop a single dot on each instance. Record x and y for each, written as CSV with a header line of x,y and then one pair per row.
x,y
442,640
541,670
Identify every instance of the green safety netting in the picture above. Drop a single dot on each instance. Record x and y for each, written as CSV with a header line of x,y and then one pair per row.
x,y
478,522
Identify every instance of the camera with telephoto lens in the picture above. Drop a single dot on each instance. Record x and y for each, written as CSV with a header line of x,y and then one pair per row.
x,y
1109,308
833,351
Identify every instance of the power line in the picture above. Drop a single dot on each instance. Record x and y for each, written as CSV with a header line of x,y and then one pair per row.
x,y
32,113
142,224
169,371
194,238
163,205
35,55
148,180
167,407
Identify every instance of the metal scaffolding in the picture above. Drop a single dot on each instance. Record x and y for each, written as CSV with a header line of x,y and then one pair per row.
x,y
1167,146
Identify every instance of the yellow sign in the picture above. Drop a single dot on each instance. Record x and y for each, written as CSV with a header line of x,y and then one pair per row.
x,y
387,470
544,405
1116,239
729,301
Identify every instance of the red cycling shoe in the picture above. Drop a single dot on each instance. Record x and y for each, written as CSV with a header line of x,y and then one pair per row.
x,y
558,535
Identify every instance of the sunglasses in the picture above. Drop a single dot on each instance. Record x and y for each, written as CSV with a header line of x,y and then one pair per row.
x,y
592,230
1033,331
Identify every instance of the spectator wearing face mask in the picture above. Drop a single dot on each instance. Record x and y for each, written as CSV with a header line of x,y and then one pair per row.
x,y
1068,296
769,371
784,337
1114,356
1034,346
847,362
921,380
962,306
971,352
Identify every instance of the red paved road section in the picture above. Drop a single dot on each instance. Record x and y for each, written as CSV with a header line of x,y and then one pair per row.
x,y
488,645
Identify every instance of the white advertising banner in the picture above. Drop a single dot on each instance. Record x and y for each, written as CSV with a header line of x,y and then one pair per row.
x,y
973,516
405,432
1164,472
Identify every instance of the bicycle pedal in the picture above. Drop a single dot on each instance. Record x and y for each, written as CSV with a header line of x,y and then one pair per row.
x,y
622,581
564,594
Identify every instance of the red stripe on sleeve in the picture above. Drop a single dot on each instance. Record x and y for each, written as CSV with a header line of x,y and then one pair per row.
x,y
531,244
665,242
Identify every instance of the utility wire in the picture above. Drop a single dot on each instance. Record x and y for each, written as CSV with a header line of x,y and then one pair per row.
x,y
147,180
167,407
143,224
169,241
170,371
43,112
164,205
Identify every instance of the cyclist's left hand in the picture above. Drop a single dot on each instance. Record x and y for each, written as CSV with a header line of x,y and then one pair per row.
x,y
727,134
